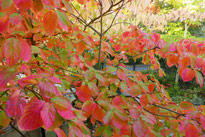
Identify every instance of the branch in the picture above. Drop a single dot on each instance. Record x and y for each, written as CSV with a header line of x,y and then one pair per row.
x,y
63,68
4,93
36,94
82,21
16,129
113,19
168,110
84,24
101,34
136,55
103,14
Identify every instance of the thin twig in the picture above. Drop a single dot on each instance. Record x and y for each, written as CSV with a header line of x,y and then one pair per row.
x,y
113,19
103,14
36,94
101,32
4,93
16,129
136,56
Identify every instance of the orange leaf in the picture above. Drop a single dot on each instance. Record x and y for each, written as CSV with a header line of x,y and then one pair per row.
x,y
151,87
37,5
135,91
80,47
83,92
144,100
172,60
184,62
81,1
24,4
50,22
98,113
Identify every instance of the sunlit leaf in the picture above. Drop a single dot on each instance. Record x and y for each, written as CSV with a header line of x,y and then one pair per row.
x,y
50,22
63,107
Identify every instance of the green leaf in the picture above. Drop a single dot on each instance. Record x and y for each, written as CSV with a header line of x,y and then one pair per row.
x,y
62,16
6,3
111,69
99,130
143,85
100,77
2,14
108,131
199,79
4,120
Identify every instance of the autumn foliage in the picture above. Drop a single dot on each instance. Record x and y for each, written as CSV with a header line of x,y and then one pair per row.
x,y
51,73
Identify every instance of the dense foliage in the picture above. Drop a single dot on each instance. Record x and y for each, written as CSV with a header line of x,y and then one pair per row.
x,y
53,72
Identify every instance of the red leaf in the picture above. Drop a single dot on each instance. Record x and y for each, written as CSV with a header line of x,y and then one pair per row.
x,y
140,129
83,92
202,120
125,34
4,23
121,74
48,2
12,51
134,113
50,22
117,122
32,79
48,89
24,4
6,74
187,74
144,100
156,37
125,130
63,107
59,132
48,115
26,51
31,118
15,19
117,47
191,131
15,105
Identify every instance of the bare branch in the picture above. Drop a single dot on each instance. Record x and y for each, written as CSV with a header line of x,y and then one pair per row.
x,y
16,129
103,14
113,19
136,55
